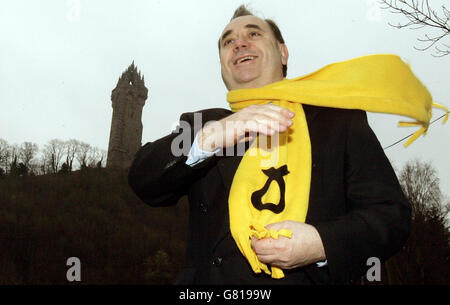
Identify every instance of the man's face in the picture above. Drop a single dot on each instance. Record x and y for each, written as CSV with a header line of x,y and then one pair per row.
x,y
250,55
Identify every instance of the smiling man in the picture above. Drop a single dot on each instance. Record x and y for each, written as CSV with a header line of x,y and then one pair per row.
x,y
250,55
355,207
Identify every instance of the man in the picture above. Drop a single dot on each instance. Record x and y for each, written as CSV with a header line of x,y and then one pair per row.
x,y
356,207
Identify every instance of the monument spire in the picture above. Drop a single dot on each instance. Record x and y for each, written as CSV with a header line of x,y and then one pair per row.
x,y
128,99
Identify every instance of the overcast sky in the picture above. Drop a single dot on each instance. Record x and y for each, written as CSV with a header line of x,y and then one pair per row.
x,y
59,61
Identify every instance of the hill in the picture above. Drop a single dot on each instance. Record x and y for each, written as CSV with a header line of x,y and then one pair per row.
x,y
95,216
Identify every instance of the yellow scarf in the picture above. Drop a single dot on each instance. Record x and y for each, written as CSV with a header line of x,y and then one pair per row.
x,y
269,186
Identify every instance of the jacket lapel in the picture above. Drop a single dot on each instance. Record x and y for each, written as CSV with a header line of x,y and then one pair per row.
x,y
227,168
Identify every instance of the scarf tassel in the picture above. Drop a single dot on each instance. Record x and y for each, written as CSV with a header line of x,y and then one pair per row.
x,y
259,232
423,130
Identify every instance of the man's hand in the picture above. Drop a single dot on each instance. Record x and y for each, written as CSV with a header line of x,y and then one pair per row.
x,y
303,248
244,125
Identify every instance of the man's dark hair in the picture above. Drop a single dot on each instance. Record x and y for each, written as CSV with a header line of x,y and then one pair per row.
x,y
243,11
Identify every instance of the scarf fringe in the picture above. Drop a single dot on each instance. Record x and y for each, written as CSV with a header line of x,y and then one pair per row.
x,y
423,130
260,232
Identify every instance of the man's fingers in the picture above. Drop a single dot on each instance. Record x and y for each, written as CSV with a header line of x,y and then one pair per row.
x,y
272,123
262,246
278,112
258,126
274,261
267,259
281,116
273,111
279,225
265,125
285,112
248,137
263,251
264,119
268,245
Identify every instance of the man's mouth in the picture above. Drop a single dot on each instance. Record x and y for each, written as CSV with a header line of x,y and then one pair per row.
x,y
244,59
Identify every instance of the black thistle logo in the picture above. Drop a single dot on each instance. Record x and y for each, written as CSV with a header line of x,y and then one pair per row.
x,y
272,174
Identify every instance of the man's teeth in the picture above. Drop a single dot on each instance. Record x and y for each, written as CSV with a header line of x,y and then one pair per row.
x,y
245,58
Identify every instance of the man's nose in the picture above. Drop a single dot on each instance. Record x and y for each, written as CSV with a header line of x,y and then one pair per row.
x,y
240,44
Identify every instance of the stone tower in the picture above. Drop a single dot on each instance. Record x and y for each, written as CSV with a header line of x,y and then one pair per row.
x,y
128,99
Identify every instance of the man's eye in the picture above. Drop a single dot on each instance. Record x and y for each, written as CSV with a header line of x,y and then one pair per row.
x,y
228,41
254,34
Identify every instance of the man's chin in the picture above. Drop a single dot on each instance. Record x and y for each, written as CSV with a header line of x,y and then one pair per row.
x,y
246,81
242,80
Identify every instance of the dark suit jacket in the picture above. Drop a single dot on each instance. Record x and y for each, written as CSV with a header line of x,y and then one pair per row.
x,y
356,203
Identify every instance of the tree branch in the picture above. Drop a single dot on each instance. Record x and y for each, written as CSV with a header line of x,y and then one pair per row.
x,y
419,14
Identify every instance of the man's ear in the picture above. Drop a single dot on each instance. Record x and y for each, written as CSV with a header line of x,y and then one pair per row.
x,y
284,53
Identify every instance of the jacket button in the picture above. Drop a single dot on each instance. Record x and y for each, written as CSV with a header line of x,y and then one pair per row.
x,y
203,208
217,261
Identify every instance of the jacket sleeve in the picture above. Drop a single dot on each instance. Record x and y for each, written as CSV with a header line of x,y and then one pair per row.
x,y
159,174
377,221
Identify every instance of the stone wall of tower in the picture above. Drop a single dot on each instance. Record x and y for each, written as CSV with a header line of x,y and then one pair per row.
x,y
128,99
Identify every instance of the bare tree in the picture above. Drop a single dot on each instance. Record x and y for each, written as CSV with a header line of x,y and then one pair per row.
x,y
420,14
27,151
100,160
72,147
54,152
50,158
424,258
82,154
4,155
94,156
97,157
103,154
420,184
13,155
42,166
